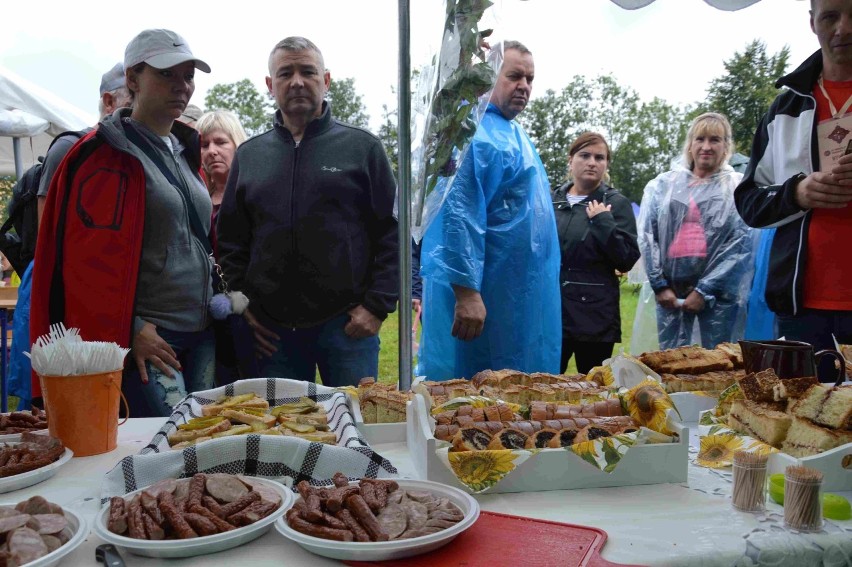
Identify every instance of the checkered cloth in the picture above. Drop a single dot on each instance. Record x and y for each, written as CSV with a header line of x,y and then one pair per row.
x,y
287,459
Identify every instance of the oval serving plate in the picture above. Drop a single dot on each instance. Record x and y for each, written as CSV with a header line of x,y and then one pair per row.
x,y
196,546
29,478
388,550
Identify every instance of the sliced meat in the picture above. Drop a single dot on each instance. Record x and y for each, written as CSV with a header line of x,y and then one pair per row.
x,y
225,488
50,523
25,545
393,520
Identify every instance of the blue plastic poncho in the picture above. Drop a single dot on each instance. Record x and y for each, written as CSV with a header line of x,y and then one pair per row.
x,y
494,233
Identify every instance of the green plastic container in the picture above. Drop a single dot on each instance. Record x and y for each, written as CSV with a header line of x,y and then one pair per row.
x,y
776,488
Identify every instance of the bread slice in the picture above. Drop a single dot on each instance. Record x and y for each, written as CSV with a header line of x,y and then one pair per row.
x,y
826,405
759,421
805,438
793,388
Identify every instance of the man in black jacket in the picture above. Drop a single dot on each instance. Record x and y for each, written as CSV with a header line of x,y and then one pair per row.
x,y
800,181
306,231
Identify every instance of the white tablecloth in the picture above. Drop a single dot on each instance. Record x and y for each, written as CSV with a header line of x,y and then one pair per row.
x,y
661,524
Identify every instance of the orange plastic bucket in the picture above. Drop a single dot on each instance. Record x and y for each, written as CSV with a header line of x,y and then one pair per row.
x,y
82,411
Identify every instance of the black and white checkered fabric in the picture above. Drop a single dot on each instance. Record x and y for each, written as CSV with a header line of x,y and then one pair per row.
x,y
288,459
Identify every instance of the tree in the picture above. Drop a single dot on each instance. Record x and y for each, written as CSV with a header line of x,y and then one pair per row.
x,y
746,90
243,99
346,104
389,135
643,137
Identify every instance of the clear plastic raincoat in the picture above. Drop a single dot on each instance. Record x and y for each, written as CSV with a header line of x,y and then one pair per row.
x,y
494,233
692,238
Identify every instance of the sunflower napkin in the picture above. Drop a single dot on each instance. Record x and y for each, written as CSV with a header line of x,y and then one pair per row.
x,y
719,443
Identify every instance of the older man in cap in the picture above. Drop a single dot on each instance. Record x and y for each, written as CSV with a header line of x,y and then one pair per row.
x,y
114,94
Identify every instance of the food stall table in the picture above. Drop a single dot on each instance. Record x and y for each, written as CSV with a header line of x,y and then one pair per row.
x,y
661,524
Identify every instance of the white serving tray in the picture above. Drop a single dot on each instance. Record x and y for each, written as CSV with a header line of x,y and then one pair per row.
x,y
376,433
691,405
836,477
835,465
555,469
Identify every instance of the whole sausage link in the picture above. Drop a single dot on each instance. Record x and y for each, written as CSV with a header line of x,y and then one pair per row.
x,y
365,517
307,528
352,524
220,524
204,526
117,523
169,509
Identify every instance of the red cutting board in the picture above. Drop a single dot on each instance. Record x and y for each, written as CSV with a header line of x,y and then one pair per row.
x,y
496,540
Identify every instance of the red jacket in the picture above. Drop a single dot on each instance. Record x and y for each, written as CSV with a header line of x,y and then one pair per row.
x,y
89,245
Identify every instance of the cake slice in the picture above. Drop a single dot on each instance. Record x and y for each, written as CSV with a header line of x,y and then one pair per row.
x,y
805,438
733,352
826,405
759,421
758,386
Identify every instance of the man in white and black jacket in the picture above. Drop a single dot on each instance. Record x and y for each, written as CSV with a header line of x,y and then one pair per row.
x,y
307,232
809,285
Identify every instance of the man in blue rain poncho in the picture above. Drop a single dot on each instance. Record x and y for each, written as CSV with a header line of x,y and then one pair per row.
x,y
490,259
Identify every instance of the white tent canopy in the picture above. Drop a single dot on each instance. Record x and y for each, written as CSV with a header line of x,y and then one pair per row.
x,y
33,115
729,5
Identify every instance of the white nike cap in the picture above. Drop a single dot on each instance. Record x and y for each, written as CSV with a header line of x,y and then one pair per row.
x,y
160,49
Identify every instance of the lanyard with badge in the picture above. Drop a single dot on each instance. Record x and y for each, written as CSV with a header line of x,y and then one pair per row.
x,y
833,133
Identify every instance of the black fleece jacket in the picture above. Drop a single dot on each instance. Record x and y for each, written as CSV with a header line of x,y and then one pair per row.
x,y
307,231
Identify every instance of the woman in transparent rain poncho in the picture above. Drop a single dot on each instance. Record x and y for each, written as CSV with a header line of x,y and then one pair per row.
x,y
696,250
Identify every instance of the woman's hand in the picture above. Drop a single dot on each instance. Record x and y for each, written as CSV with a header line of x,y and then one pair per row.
x,y
694,302
596,208
667,299
149,346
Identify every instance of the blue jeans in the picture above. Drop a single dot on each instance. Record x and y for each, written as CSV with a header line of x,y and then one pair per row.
x,y
196,352
815,326
342,361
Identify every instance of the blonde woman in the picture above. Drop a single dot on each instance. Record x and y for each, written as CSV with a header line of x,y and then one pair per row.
x,y
221,133
696,248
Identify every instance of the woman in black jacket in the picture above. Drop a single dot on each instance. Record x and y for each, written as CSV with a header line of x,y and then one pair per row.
x,y
597,236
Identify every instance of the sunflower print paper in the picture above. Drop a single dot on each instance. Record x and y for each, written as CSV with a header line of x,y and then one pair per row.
x,y
647,403
606,452
717,451
601,375
480,470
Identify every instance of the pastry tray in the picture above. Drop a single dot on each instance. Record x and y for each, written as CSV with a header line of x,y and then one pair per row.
x,y
555,469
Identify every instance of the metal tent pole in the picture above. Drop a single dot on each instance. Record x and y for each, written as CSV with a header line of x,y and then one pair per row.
x,y
404,184
19,164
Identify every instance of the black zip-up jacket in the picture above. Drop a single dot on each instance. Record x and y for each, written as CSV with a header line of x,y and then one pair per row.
x,y
307,231
784,151
592,249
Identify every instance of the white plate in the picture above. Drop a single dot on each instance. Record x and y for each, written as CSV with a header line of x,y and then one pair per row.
x,y
387,550
200,545
81,531
23,480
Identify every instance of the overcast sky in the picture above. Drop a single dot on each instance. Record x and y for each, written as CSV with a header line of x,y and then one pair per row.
x,y
670,49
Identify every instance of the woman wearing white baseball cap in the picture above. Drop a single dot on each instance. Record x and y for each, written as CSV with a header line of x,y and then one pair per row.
x,y
126,254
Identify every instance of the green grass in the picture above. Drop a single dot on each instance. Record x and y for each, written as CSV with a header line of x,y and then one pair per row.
x,y
389,335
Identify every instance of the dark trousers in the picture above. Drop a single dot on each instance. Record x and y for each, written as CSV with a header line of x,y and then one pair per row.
x,y
341,360
815,326
589,354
